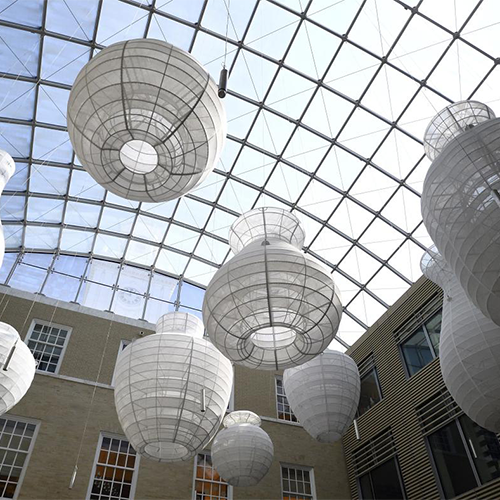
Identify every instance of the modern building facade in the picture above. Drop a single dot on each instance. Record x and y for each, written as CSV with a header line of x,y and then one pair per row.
x,y
410,439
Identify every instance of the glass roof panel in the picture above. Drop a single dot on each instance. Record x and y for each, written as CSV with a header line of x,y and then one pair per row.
x,y
72,17
178,34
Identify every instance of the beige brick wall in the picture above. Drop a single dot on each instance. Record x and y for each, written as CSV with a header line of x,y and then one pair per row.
x,y
62,406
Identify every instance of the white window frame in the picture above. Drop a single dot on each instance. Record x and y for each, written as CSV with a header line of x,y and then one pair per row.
x,y
36,423
51,325
123,343
193,494
102,435
298,467
276,395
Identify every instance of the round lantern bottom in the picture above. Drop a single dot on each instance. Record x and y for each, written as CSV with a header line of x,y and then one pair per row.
x,y
166,451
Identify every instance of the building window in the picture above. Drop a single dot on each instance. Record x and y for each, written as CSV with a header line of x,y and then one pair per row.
x,y
370,391
465,456
208,485
297,482
284,410
115,470
17,438
422,346
48,342
123,344
382,482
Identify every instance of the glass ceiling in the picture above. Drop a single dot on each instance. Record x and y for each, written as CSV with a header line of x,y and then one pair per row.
x,y
327,104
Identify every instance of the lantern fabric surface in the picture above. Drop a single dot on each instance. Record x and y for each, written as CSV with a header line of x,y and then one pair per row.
x,y
172,389
469,348
461,200
145,120
242,453
271,306
7,169
17,368
324,394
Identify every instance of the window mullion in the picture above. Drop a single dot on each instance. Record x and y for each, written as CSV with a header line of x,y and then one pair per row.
x,y
468,451
428,338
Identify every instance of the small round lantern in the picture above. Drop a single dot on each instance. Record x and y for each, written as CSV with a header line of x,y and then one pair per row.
x,y
7,169
242,453
469,348
145,120
172,389
271,306
324,394
461,198
17,368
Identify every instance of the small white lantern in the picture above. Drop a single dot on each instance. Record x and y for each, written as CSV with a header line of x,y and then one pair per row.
x,y
469,348
271,306
7,169
17,368
145,120
172,389
461,198
242,453
324,394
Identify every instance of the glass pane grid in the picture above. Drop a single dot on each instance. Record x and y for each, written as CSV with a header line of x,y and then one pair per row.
x,y
15,441
114,470
208,484
296,483
47,343
284,410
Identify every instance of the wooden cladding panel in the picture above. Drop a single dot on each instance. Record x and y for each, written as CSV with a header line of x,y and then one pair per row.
x,y
401,397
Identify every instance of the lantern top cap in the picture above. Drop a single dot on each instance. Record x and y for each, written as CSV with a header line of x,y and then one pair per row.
x,y
452,121
180,322
434,266
241,417
266,223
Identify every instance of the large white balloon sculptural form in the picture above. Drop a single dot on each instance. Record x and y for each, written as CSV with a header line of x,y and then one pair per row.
x,y
324,394
7,169
461,198
271,306
469,348
172,389
145,120
242,453
17,368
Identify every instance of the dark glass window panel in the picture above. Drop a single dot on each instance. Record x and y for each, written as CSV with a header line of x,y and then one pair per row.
x,y
370,392
417,352
485,449
386,482
433,326
452,462
365,486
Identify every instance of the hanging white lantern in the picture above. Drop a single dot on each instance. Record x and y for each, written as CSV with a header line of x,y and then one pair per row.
x,y
242,453
461,200
145,120
469,348
324,394
271,306
17,368
172,389
7,169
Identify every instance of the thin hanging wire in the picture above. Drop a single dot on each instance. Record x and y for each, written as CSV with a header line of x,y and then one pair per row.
x,y
228,10
89,411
